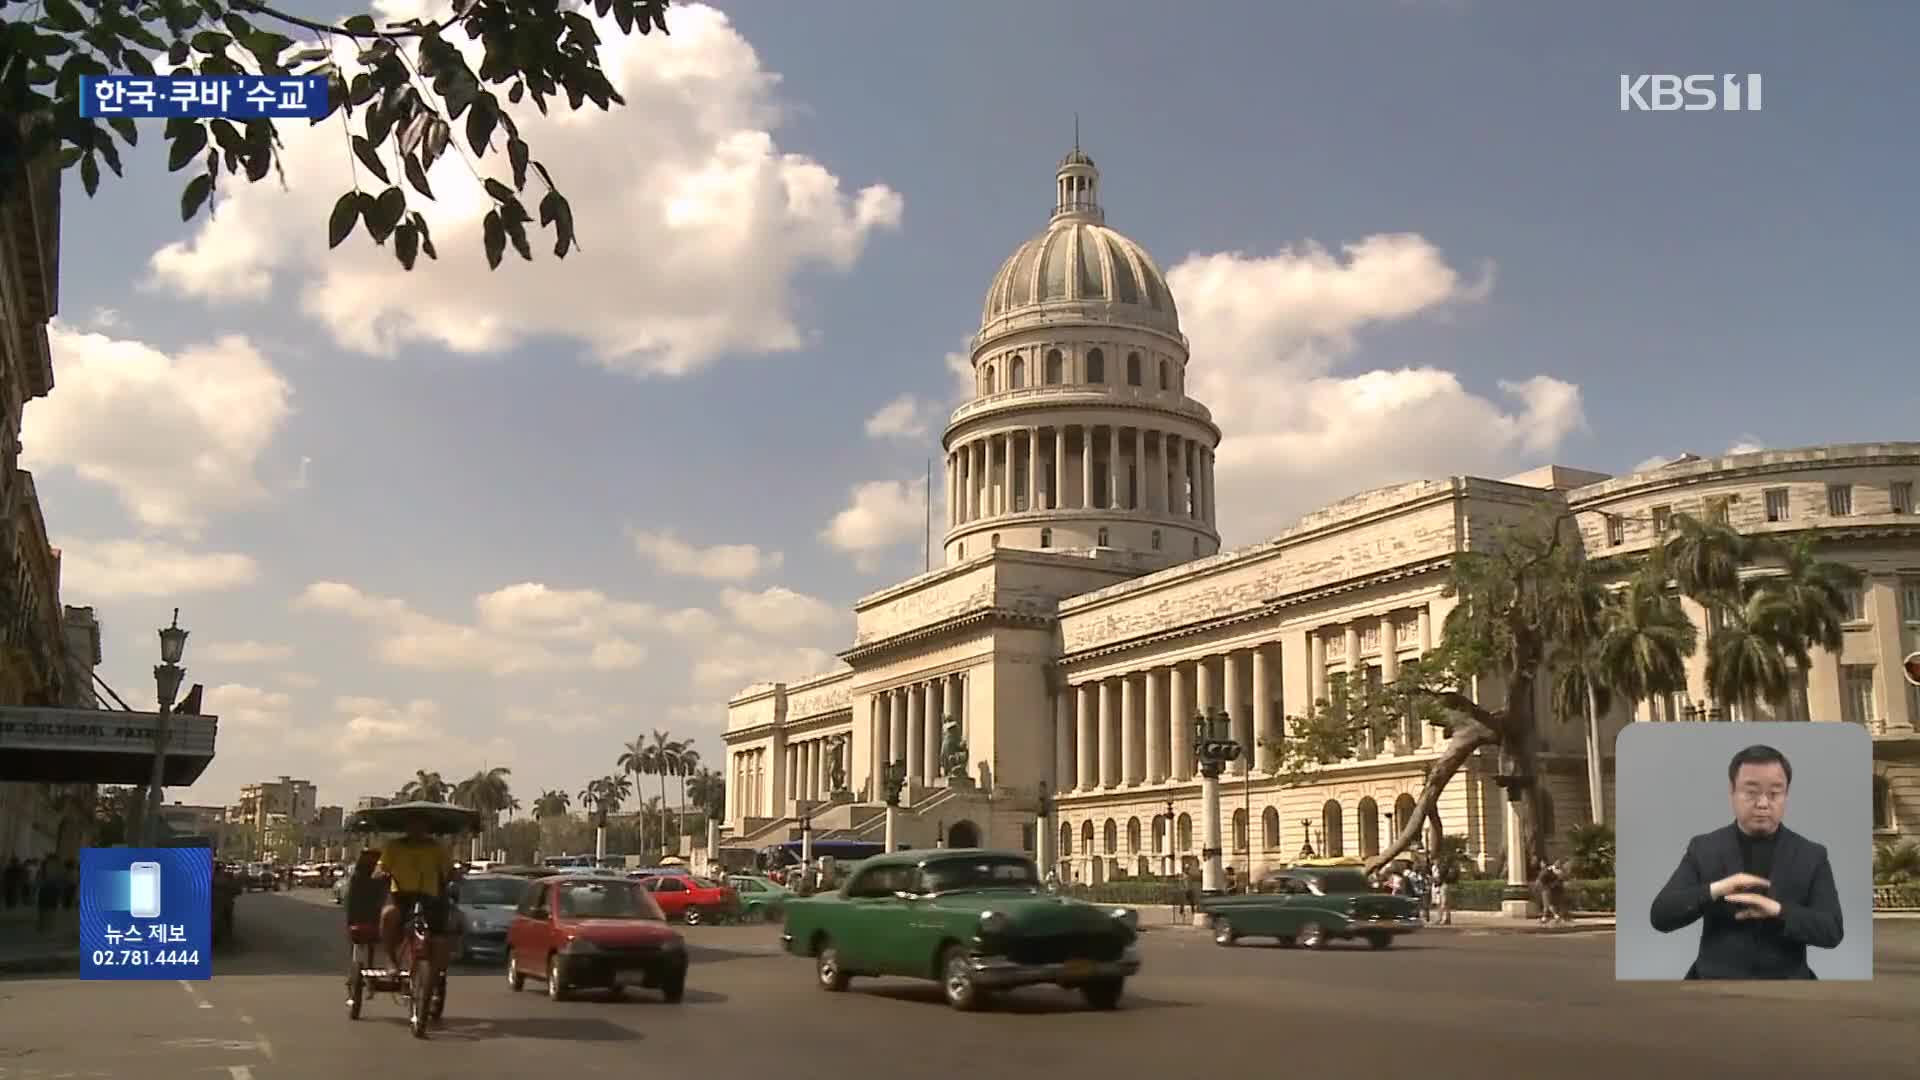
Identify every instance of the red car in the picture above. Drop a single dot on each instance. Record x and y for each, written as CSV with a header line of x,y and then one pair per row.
x,y
606,933
690,899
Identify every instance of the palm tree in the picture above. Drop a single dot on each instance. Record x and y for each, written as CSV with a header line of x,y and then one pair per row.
x,y
425,787
552,802
684,765
662,755
1896,863
634,758
488,792
708,791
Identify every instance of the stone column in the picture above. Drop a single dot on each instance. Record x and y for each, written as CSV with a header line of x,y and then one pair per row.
x,y
1262,706
821,780
1157,733
1236,707
932,736
982,475
1132,733
1113,467
1141,500
1063,762
957,700
1190,466
1389,671
898,713
790,766
1317,665
916,734
1109,734
1086,467
1179,719
1206,484
1087,749
882,739
1203,699
1057,499
1177,478
936,716
1033,469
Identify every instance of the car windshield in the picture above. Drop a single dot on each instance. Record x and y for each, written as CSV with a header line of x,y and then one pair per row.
x,y
607,900
701,883
1339,882
501,892
951,875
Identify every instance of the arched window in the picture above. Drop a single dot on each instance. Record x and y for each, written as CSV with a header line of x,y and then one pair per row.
x,y
1066,840
1882,803
1086,836
1402,813
1270,828
1369,812
1112,836
1046,538
1186,832
1133,836
1165,383
1017,374
1240,829
994,540
1055,368
1156,539
1096,367
1101,539
992,386
1133,369
1332,831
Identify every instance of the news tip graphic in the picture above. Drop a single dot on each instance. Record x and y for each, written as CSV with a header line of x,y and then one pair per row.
x,y
233,97
146,913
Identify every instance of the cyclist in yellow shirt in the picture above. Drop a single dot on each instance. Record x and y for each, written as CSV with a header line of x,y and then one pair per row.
x,y
417,869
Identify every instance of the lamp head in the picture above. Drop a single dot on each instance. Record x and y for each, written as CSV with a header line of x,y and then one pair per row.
x,y
173,641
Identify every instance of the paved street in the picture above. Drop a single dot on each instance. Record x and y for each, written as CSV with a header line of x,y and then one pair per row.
x,y
1453,1004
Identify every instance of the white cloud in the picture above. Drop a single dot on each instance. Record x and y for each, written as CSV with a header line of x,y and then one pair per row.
x,y
1747,445
299,680
1269,336
524,628
720,562
695,223
372,736
732,662
779,612
905,417
174,437
568,712
880,515
104,569
248,652
248,710
960,369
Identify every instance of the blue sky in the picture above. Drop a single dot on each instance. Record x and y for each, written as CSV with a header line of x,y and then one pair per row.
x,y
1407,238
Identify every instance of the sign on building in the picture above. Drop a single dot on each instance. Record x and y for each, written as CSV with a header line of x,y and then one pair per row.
x,y
100,746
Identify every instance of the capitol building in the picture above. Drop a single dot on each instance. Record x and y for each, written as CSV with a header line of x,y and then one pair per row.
x,y
1084,611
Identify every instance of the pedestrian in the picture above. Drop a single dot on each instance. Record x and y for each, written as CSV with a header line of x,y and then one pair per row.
x,y
1229,879
47,892
1441,914
1544,885
12,881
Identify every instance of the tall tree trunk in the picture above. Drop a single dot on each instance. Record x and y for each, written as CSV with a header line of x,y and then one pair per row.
x,y
1467,737
1596,790
663,814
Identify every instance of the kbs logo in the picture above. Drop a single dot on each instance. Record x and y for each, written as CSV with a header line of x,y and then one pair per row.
x,y
1689,93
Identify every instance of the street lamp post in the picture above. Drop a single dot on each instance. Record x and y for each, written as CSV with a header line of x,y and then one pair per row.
x,y
893,779
166,678
1213,748
806,836
1043,832
1167,859
1306,836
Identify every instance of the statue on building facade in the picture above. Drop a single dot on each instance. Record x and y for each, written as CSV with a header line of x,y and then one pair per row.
x,y
953,752
837,765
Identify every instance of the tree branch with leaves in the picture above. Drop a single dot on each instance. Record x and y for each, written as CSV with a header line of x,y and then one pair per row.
x,y
398,90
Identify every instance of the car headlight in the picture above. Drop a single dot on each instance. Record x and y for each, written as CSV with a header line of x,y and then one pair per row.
x,y
580,946
993,922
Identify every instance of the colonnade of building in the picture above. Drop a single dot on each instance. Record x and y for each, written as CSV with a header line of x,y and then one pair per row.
x,y
1002,472
748,784
1136,728
906,726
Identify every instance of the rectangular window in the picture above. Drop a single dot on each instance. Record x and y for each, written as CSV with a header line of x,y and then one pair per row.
x,y
1910,599
1840,500
1717,512
1662,520
1856,694
1777,507
1857,604
1616,530
1900,494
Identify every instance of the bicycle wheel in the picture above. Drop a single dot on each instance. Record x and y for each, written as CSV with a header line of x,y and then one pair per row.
x,y
419,995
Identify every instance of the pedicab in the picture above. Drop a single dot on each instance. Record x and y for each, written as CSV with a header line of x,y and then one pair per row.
x,y
416,983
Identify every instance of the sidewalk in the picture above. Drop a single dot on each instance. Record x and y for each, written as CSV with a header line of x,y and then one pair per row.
x,y
26,951
1162,917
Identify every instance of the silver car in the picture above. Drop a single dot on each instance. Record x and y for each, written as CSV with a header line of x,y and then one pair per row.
x,y
484,911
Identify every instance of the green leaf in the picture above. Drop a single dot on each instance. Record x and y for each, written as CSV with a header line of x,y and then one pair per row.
x,y
406,245
417,176
90,175
480,123
438,136
518,154
128,130
308,56
517,232
362,90
62,15
137,63
387,211
359,24
493,234
186,147
211,42
426,237
345,213
499,191
195,196
370,157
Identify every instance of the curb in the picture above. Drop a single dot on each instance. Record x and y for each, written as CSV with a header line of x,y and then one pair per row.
x,y
41,964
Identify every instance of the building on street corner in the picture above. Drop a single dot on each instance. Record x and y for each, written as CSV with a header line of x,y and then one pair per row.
x,y
1085,612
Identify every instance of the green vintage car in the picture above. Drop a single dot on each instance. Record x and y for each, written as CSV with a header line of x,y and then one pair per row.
x,y
975,921
1310,906
760,899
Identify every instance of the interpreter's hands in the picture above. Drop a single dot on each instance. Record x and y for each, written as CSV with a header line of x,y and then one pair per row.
x,y
1736,883
1754,906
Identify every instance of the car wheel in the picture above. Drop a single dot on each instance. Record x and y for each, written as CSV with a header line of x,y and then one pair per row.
x,y
1310,936
556,990
827,970
1103,994
1223,932
957,982
674,989
693,916
1380,941
515,979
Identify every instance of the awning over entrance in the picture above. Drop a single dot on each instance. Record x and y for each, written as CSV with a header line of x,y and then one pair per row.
x,y
97,746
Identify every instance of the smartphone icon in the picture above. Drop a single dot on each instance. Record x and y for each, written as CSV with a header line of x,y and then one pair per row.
x,y
143,890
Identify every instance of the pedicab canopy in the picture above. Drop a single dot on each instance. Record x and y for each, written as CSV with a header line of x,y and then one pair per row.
x,y
445,819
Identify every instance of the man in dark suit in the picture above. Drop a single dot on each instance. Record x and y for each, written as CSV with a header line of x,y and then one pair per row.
x,y
1764,891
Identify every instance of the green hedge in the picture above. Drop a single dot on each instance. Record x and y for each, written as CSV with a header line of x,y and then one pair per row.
x,y
1135,891
1483,894
1896,897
